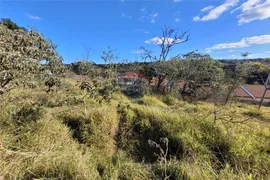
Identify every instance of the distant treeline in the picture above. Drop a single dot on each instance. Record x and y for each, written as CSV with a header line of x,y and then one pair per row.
x,y
123,68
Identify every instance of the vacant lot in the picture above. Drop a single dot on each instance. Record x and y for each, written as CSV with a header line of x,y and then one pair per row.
x,y
67,135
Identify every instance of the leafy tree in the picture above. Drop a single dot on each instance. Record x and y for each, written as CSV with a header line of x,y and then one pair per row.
x,y
11,25
234,78
21,54
199,70
86,68
170,38
170,69
148,71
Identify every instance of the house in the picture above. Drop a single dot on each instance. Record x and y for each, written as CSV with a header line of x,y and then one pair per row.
x,y
135,78
131,83
132,78
252,93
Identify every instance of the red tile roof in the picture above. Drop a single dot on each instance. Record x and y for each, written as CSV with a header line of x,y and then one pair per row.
x,y
256,90
134,75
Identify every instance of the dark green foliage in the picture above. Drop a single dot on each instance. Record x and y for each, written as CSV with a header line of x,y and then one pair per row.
x,y
22,53
200,75
85,86
11,25
148,71
86,68
234,78
52,82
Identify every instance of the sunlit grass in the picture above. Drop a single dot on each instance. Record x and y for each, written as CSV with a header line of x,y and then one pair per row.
x,y
61,135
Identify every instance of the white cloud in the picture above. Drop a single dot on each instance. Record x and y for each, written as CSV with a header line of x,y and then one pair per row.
x,y
138,51
147,16
177,1
32,17
217,11
146,32
159,41
177,19
228,45
231,50
264,39
245,42
153,21
126,16
196,18
254,11
208,8
155,15
247,5
257,55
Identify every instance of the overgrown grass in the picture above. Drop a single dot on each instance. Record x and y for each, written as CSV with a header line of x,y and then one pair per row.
x,y
63,136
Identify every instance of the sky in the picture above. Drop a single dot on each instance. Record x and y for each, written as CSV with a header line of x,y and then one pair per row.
x,y
222,28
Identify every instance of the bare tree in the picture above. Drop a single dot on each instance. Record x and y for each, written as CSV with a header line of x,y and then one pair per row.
x,y
266,84
263,68
88,52
170,38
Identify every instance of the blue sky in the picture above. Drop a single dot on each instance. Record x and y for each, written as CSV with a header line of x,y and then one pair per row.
x,y
222,28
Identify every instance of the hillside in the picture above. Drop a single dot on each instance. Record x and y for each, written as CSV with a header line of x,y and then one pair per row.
x,y
178,117
65,135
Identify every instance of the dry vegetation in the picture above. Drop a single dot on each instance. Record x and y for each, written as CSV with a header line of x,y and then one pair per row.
x,y
50,135
82,127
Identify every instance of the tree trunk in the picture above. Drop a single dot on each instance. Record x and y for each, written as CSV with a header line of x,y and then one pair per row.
x,y
160,80
184,89
266,83
230,91
262,97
